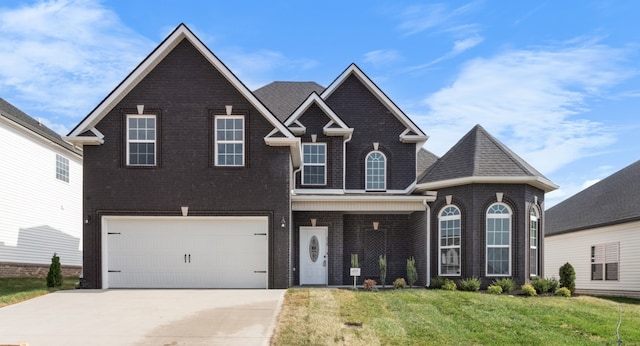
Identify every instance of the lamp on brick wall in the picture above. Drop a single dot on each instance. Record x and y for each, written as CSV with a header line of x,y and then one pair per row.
x,y
283,223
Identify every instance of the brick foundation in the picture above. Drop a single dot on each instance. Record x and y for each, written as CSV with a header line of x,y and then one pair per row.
x,y
17,270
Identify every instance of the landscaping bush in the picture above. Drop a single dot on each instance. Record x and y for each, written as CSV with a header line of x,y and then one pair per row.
x,y
553,284
470,284
382,261
412,273
369,284
437,282
449,285
543,285
54,277
527,289
563,291
506,284
494,289
399,283
568,277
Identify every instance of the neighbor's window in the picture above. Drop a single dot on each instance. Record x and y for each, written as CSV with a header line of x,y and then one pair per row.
x,y
534,231
229,140
604,261
499,240
450,233
314,164
141,140
376,171
62,168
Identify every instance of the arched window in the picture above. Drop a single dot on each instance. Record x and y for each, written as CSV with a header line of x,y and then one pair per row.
x,y
499,240
376,171
534,232
450,238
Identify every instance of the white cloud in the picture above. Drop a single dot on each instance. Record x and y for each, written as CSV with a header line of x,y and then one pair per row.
x,y
531,100
418,18
63,56
382,57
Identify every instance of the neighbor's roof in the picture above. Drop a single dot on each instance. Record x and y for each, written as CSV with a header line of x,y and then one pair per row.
x,y
282,98
613,200
425,160
480,158
21,118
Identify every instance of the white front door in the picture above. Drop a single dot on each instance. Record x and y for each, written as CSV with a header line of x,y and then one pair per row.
x,y
314,253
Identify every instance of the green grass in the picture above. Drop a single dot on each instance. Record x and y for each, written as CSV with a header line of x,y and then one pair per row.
x,y
15,290
428,317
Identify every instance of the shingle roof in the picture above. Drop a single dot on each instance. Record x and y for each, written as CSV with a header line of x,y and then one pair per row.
x,y
615,199
282,98
21,118
479,155
425,160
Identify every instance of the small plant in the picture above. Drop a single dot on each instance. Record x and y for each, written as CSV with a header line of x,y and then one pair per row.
x,y
563,292
369,284
553,284
399,283
494,289
354,260
449,285
54,277
568,277
506,284
382,261
470,284
527,289
437,282
543,285
412,273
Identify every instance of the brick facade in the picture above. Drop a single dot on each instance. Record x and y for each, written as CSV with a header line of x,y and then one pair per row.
x,y
28,270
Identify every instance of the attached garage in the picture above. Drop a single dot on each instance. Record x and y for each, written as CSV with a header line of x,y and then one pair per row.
x,y
184,252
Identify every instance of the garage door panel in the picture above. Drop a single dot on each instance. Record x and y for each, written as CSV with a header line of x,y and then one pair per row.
x,y
191,252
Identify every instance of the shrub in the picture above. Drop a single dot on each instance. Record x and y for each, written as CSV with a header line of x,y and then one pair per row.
x,y
369,284
542,285
506,284
54,277
494,289
412,273
470,284
449,285
399,283
437,282
382,261
354,260
563,291
568,277
553,284
527,289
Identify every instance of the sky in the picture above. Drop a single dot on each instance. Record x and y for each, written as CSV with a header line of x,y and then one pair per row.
x,y
558,82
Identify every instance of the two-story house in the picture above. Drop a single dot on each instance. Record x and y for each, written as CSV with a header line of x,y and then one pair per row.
x,y
193,180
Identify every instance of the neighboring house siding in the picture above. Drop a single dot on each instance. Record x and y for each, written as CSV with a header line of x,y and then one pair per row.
x,y
185,91
373,123
40,215
575,248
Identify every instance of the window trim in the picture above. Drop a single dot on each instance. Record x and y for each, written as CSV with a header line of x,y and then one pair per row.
x,y
216,141
441,218
508,216
534,244
130,141
302,180
63,172
366,171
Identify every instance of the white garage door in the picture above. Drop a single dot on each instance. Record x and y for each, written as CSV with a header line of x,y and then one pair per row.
x,y
184,252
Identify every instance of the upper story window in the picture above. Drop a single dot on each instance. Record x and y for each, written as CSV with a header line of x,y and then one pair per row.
x,y
534,231
498,240
314,164
376,171
229,140
605,259
141,140
450,239
62,168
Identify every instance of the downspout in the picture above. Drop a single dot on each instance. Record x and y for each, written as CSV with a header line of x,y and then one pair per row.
x,y
428,211
344,162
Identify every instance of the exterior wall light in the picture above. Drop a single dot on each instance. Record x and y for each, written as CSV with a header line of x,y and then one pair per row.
x,y
283,222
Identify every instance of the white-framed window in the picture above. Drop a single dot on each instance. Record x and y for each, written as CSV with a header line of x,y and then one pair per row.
x,y
141,140
450,238
605,260
314,164
376,171
534,233
498,240
62,168
229,140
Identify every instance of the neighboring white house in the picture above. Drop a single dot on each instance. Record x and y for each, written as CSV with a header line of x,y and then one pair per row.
x,y
598,232
40,197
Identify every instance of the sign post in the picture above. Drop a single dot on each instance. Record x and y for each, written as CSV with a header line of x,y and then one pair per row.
x,y
355,272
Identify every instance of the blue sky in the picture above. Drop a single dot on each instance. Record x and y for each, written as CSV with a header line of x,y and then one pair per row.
x,y
556,81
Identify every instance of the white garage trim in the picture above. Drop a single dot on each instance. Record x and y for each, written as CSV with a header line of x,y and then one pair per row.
x,y
185,252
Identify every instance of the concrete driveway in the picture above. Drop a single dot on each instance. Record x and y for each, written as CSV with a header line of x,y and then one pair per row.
x,y
143,317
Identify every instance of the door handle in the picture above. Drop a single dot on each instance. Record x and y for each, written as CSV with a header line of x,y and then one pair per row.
x,y
185,258
189,258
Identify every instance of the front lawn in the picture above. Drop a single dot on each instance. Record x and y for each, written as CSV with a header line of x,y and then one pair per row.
x,y
15,290
438,317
